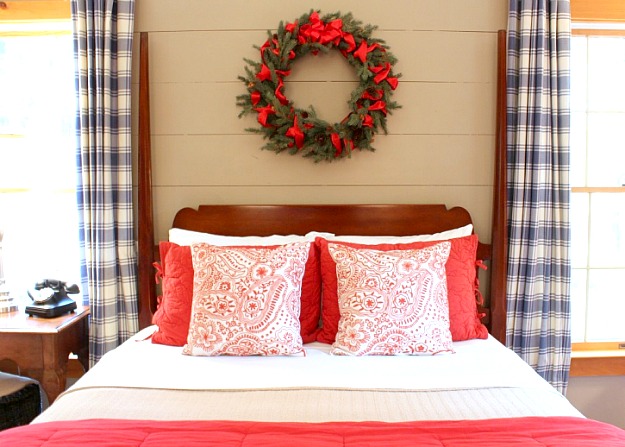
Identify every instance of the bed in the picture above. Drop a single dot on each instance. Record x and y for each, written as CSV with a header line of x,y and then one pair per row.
x,y
461,387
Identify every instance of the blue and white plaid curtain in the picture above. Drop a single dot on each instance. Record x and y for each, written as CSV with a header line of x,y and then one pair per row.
x,y
538,186
103,48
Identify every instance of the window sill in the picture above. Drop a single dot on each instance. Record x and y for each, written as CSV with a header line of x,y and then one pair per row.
x,y
597,363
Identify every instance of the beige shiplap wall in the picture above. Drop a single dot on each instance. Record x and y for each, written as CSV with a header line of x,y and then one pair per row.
x,y
440,144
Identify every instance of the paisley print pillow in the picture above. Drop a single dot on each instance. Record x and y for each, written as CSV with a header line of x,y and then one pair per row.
x,y
246,301
392,302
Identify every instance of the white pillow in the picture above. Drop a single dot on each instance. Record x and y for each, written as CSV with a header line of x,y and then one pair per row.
x,y
188,237
373,240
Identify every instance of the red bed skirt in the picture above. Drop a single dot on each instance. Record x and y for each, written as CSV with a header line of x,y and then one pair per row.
x,y
529,431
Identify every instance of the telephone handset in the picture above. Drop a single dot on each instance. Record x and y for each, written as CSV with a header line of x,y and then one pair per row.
x,y
50,298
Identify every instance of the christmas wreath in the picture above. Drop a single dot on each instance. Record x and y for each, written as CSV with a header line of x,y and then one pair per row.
x,y
301,131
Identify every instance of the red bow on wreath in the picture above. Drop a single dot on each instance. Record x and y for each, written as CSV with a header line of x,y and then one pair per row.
x,y
318,31
296,133
382,73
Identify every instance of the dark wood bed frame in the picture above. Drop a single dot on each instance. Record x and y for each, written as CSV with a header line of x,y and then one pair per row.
x,y
262,220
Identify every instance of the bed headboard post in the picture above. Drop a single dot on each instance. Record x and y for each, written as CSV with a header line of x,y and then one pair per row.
x,y
146,285
499,231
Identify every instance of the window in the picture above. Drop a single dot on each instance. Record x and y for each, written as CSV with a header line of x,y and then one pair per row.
x,y
38,214
598,187
598,179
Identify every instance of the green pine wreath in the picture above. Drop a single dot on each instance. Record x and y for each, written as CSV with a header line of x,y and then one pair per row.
x,y
301,131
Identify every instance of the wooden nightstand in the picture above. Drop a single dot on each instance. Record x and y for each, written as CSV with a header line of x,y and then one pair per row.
x,y
41,346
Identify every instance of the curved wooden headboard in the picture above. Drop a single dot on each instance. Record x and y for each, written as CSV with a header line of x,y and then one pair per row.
x,y
362,219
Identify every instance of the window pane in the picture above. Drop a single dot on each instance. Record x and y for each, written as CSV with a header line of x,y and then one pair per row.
x,y
38,159
607,231
578,73
579,230
578,305
606,149
40,238
577,175
606,69
606,308
597,160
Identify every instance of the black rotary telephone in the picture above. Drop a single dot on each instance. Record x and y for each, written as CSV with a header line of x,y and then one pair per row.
x,y
50,298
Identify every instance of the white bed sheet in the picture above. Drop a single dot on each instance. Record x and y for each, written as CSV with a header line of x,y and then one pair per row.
x,y
139,363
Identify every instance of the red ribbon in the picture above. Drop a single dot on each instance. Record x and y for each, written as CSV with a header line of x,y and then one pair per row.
x,y
275,49
318,31
255,96
263,48
367,121
263,115
279,93
392,82
374,95
363,50
479,299
340,145
159,272
312,30
264,73
290,27
351,43
378,105
336,142
296,133
283,73
349,144
382,72
332,32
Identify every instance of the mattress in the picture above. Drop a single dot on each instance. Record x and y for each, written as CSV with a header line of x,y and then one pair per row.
x,y
141,380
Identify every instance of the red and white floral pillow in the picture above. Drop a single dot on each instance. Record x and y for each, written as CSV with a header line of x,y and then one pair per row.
x,y
392,302
246,301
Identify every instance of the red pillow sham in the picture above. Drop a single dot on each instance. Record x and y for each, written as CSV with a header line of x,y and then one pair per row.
x,y
464,318
173,314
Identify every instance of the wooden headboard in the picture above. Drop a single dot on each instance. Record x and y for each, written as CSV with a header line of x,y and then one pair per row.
x,y
362,219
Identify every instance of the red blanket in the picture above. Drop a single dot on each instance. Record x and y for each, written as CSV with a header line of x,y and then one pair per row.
x,y
513,432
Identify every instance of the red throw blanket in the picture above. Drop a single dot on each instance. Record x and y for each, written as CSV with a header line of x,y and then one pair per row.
x,y
513,432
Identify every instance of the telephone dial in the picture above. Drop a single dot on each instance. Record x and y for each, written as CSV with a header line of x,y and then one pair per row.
x,y
50,298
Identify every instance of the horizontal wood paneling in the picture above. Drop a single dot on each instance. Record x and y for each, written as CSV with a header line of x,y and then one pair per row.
x,y
398,160
477,199
440,143
430,109
474,15
198,56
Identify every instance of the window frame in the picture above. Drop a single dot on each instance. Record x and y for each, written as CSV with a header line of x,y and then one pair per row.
x,y
34,10
598,18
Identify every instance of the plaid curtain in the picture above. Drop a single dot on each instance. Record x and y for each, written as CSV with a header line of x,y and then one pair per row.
x,y
538,116
103,48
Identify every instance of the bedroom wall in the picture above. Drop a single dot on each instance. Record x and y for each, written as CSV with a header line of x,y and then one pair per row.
x,y
599,397
440,144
